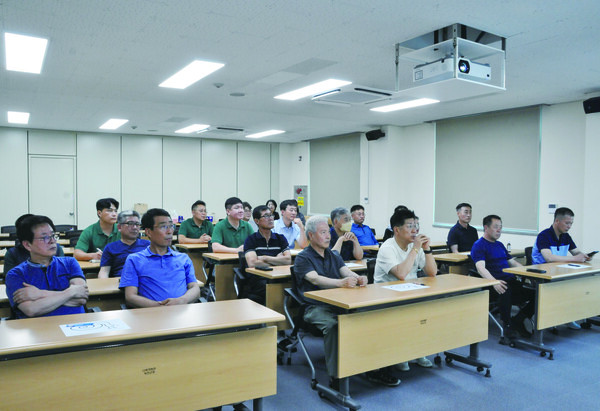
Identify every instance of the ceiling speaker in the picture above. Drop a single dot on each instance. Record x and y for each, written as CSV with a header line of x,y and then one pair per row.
x,y
374,134
591,105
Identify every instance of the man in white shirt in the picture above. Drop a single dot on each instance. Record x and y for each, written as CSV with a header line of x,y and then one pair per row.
x,y
289,225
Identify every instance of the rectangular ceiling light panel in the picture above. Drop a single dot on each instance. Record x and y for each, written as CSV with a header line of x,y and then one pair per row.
x,y
18,117
404,105
113,124
190,74
265,133
317,88
24,53
193,128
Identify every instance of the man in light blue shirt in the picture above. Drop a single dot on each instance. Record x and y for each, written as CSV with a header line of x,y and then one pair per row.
x,y
289,225
363,232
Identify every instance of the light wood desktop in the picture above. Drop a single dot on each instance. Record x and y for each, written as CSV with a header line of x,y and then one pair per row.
x,y
4,235
195,251
400,326
279,279
458,262
11,243
176,357
562,295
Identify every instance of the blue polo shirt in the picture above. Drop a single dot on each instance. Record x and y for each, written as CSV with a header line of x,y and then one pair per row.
x,y
347,246
309,260
364,234
55,277
495,256
158,277
290,233
558,246
115,254
464,238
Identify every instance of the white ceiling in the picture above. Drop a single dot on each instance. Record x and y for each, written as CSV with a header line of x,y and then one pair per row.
x,y
106,58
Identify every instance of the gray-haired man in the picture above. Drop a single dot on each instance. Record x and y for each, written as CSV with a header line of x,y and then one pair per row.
x,y
115,253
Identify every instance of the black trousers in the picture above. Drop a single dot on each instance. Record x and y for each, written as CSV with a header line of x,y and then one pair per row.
x,y
515,294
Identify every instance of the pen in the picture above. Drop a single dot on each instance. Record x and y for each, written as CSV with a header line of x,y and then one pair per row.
x,y
574,265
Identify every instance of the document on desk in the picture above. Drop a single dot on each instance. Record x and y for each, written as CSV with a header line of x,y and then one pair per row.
x,y
71,330
405,287
353,265
571,265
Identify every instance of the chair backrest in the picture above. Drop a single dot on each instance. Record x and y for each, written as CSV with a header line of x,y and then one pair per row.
x,y
73,233
240,278
8,229
73,241
388,234
371,270
63,228
528,258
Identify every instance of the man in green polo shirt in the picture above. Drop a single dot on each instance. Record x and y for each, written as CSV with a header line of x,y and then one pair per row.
x,y
197,229
95,237
229,234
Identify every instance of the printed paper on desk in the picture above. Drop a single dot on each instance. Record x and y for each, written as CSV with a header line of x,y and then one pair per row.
x,y
405,287
571,265
71,330
352,265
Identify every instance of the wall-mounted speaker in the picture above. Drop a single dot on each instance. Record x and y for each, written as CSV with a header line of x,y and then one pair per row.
x,y
591,105
374,134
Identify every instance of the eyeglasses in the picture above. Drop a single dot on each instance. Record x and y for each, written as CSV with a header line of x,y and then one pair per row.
x,y
267,216
166,227
412,226
132,224
48,238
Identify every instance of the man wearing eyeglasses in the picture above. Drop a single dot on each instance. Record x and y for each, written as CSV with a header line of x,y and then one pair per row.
x,y
95,237
45,285
265,247
196,230
115,253
158,275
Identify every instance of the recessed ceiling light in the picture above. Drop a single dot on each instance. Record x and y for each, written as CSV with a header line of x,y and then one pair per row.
x,y
24,53
265,133
405,104
317,88
18,117
113,124
190,74
193,128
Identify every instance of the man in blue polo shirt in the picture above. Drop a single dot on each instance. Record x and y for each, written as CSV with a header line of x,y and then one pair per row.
x,y
363,232
44,284
115,253
554,245
490,258
158,275
264,247
289,225
462,236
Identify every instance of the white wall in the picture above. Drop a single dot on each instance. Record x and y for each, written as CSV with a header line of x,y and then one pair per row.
x,y
13,149
293,170
181,166
590,223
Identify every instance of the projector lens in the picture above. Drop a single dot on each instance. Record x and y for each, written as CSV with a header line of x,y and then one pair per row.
x,y
464,66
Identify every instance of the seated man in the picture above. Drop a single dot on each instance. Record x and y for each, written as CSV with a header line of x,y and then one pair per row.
x,y
362,232
401,256
196,230
230,233
248,216
289,225
342,239
554,245
462,236
158,275
490,258
318,267
44,284
115,253
17,254
95,237
265,247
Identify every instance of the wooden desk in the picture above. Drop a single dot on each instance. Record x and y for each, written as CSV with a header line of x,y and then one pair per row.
x,y
89,266
69,251
193,356
400,326
10,243
4,235
562,295
438,246
458,263
195,251
224,289
373,248
2,253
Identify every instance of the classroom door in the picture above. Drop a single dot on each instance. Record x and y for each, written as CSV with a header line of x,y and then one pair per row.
x,y
52,188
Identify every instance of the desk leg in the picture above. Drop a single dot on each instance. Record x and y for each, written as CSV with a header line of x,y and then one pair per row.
x,y
224,289
537,342
472,359
257,404
341,397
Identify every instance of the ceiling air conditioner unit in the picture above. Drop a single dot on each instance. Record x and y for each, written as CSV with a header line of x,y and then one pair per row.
x,y
352,95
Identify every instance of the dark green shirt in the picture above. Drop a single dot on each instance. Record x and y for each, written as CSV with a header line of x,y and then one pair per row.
x,y
190,229
226,235
92,238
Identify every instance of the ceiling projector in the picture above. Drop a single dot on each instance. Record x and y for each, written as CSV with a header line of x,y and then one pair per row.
x,y
444,69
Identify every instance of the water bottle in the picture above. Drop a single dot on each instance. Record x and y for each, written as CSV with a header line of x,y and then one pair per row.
x,y
508,247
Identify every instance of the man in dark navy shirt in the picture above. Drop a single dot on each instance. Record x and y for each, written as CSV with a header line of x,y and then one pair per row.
x,y
264,247
462,236
490,257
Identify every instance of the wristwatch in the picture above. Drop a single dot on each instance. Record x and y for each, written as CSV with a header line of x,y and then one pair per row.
x,y
427,251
